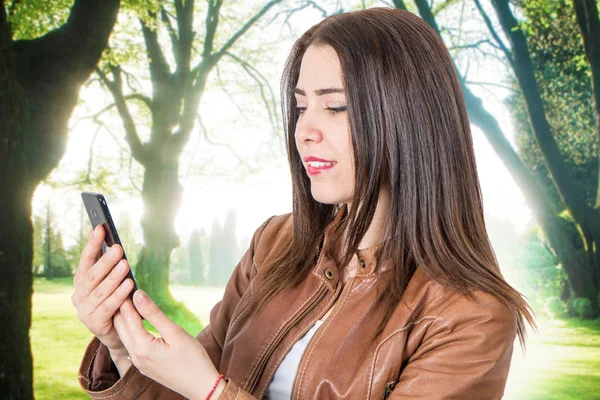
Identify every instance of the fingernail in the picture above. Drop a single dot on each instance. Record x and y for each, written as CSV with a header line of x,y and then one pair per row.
x,y
121,266
127,284
142,297
96,229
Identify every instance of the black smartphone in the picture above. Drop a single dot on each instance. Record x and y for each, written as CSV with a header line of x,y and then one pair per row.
x,y
97,210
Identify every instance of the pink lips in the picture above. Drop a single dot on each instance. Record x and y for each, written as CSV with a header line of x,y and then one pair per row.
x,y
316,166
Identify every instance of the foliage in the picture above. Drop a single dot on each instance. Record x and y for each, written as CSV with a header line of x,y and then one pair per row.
x,y
564,78
555,307
33,18
544,282
583,308
61,265
38,244
50,258
179,266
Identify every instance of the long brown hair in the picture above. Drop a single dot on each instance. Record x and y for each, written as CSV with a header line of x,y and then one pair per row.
x,y
410,132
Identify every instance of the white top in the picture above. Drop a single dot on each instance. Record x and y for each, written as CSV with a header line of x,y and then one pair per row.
x,y
283,380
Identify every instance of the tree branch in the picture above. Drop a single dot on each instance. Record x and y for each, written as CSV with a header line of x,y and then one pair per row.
x,y
134,96
228,93
172,34
262,82
211,23
494,34
185,21
158,65
400,4
131,135
222,144
245,28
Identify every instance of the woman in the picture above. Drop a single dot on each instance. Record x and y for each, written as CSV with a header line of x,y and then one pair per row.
x,y
381,284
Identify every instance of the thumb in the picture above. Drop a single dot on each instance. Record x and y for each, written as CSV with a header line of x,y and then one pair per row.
x,y
153,314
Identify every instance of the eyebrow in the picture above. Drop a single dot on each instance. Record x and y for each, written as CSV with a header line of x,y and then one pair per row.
x,y
320,92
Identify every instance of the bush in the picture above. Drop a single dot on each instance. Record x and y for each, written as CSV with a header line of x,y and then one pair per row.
x,y
555,307
583,307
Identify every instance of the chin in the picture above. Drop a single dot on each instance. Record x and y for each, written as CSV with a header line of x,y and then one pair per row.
x,y
329,197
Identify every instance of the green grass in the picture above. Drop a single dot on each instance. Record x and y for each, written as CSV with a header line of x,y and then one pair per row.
x,y
58,341
562,361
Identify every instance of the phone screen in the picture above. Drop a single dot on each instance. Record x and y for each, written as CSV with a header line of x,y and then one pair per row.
x,y
97,210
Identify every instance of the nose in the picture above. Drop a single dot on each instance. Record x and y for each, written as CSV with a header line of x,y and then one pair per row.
x,y
308,129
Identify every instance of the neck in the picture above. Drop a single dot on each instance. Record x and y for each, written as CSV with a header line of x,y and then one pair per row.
x,y
376,232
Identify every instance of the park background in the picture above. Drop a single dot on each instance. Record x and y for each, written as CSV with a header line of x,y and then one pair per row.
x,y
188,185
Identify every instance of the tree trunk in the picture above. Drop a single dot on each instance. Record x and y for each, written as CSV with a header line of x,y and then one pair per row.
x,y
162,194
39,86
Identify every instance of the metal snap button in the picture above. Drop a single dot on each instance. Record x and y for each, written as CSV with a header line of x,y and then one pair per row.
x,y
329,274
362,263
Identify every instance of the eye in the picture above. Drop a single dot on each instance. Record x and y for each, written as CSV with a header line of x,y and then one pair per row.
x,y
337,110
300,110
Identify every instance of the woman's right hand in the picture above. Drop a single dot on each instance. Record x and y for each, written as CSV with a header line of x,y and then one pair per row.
x,y
100,289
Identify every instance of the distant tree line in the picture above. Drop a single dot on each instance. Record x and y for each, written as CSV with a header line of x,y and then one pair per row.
x,y
206,260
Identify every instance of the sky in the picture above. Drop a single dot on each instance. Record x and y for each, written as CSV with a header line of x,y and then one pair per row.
x,y
211,176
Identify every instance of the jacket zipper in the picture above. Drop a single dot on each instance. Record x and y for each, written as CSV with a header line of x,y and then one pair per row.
x,y
306,348
263,363
298,367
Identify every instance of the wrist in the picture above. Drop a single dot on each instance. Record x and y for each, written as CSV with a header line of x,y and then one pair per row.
x,y
213,387
118,353
219,389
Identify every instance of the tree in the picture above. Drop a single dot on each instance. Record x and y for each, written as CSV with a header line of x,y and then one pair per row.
x,y
39,85
216,250
48,245
177,87
563,77
563,235
584,277
229,249
196,259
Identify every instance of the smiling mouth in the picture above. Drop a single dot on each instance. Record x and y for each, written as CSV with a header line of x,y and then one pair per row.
x,y
318,167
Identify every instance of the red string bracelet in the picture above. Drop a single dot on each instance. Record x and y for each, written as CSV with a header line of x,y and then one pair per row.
x,y
214,387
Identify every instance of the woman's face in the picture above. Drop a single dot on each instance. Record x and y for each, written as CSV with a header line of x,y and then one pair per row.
x,y
322,131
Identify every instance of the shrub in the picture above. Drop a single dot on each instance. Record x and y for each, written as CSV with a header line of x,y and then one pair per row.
x,y
583,307
555,307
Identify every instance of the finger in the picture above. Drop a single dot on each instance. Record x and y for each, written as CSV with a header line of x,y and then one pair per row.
x,y
106,309
132,319
93,249
100,270
108,285
150,311
121,328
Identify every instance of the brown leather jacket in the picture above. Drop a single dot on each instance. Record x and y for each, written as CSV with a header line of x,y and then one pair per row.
x,y
438,344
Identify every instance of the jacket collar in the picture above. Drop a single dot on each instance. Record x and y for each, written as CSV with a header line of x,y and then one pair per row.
x,y
327,269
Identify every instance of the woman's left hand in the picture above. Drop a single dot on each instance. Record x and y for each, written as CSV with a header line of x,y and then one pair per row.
x,y
175,359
